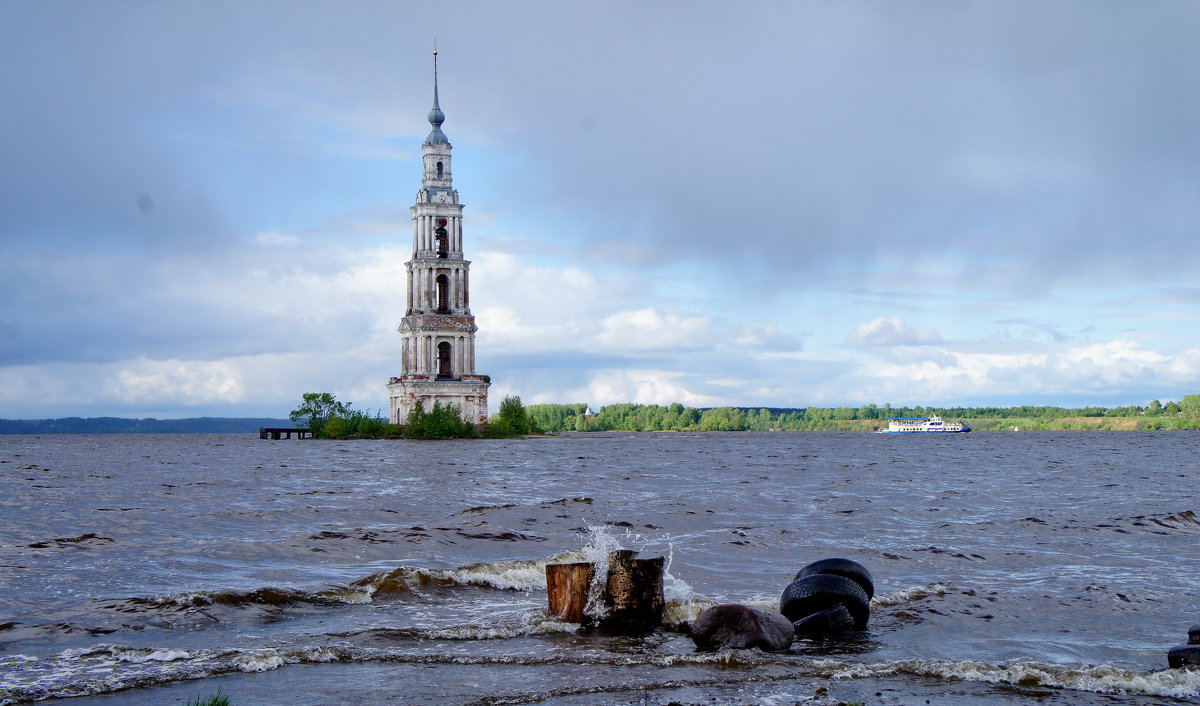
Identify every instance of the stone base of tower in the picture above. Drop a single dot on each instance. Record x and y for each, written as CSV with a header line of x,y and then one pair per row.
x,y
469,393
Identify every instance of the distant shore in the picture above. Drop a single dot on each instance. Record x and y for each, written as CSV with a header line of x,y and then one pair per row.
x,y
869,417
237,425
120,425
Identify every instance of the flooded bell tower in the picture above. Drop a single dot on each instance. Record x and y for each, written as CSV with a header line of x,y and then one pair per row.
x,y
437,333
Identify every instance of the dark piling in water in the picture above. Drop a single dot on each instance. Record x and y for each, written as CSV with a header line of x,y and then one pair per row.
x,y
632,597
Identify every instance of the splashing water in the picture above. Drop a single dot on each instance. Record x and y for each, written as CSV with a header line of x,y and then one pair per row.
x,y
600,544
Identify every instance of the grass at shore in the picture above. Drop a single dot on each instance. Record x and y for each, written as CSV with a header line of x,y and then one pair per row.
x,y
217,699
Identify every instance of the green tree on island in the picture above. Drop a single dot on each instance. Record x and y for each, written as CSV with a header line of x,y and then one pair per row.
x,y
441,422
316,409
511,420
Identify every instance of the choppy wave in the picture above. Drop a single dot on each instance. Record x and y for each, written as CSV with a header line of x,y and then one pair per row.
x,y
1186,521
482,509
394,584
112,667
16,630
1102,679
107,668
515,575
83,539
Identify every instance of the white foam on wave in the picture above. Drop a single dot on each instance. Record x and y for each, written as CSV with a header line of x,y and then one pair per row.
x,y
678,612
534,623
1103,679
353,596
106,668
682,603
137,656
514,575
908,595
505,575
260,660
675,588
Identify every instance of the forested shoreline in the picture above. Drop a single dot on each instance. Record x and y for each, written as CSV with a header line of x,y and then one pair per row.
x,y
552,418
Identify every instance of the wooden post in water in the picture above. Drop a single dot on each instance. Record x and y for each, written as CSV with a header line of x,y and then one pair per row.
x,y
633,594
567,586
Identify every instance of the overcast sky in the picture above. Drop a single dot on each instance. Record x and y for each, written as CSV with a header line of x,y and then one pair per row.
x,y
204,205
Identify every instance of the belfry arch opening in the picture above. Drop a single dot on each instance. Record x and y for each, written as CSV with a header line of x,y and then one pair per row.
x,y
443,243
443,294
442,239
445,371
439,170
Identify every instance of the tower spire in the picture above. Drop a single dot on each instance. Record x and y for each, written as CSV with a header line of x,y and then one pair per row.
x,y
436,116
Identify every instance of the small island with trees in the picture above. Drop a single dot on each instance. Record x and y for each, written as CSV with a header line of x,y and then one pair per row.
x,y
327,418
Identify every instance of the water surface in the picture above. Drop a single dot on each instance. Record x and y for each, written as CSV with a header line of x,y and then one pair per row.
x,y
1010,568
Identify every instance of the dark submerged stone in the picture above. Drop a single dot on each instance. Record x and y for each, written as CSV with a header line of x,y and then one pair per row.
x,y
739,626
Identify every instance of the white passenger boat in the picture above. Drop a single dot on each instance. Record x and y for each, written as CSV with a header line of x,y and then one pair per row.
x,y
922,425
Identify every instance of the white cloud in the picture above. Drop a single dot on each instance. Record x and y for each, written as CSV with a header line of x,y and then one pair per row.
x,y
763,337
649,330
892,331
643,387
1120,367
152,383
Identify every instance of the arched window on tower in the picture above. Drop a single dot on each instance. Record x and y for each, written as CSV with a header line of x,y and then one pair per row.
x,y
443,243
439,168
443,294
444,370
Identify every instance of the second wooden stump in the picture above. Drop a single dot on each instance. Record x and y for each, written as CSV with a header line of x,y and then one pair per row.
x,y
633,593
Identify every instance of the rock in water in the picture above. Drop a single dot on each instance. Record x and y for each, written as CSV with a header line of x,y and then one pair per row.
x,y
739,626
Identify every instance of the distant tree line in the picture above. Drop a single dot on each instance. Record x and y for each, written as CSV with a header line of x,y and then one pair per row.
x,y
337,420
675,417
118,425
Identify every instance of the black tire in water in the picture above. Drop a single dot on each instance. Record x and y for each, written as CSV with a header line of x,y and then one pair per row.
x,y
827,622
846,568
1183,656
812,594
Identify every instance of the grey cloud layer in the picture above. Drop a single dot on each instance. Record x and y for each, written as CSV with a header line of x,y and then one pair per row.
x,y
998,148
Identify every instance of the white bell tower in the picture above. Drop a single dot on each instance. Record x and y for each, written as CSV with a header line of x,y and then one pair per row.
x,y
437,334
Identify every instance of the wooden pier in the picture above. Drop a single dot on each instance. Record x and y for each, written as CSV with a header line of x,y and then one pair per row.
x,y
279,433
